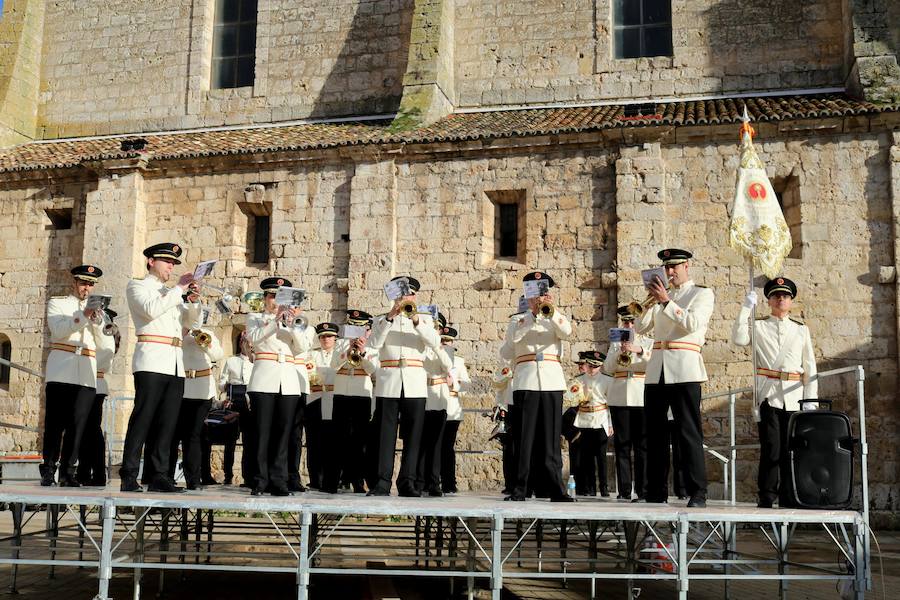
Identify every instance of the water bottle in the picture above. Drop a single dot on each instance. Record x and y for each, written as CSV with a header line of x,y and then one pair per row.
x,y
570,486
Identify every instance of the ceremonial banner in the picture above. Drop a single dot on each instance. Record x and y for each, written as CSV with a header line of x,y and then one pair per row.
x,y
758,229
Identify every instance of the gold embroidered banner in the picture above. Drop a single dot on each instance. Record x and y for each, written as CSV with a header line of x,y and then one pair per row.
x,y
758,229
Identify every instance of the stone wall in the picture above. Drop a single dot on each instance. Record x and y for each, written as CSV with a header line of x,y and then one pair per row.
x,y
110,66
510,52
595,213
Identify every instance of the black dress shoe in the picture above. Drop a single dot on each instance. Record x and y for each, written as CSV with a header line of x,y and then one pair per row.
x,y
639,500
208,481
165,486
296,486
47,475
257,492
515,498
130,485
280,491
604,494
97,483
377,492
765,504
563,498
228,480
435,493
411,494
193,486
68,482
656,500
358,487
697,501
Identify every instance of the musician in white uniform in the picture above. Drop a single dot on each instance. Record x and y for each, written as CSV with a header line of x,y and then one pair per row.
x,y
534,343
785,374
70,375
438,365
400,389
201,351
678,322
592,420
458,386
274,388
318,410
352,403
626,362
233,381
92,460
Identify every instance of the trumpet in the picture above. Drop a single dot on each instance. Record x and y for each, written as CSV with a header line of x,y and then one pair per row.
x,y
202,338
223,304
546,309
637,308
625,359
101,318
408,309
254,301
354,357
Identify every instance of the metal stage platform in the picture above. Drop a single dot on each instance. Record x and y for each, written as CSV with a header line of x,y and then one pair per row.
x,y
465,538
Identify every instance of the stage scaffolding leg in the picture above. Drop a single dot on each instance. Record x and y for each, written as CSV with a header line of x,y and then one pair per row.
x,y
209,534
631,534
782,559
470,557
728,530
303,557
496,558
53,526
18,515
105,572
860,529
682,557
198,534
139,552
82,514
185,514
164,550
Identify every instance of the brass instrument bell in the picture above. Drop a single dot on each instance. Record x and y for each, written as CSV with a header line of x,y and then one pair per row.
x,y
546,310
408,309
202,338
254,301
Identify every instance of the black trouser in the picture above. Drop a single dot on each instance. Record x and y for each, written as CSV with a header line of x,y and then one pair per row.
x,y
684,399
67,409
92,460
510,441
347,445
428,471
157,400
295,440
630,436
229,447
448,457
188,432
678,485
373,438
538,451
774,477
591,462
312,424
248,439
274,416
411,415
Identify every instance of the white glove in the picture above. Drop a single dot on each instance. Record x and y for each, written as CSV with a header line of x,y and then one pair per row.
x,y
750,300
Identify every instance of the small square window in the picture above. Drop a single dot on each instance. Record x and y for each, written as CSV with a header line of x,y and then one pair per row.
x,y
642,28
504,225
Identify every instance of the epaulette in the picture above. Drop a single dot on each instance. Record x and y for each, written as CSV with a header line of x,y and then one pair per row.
x,y
763,318
701,286
797,321
58,297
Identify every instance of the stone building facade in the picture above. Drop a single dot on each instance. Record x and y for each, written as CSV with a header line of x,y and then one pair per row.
x,y
383,137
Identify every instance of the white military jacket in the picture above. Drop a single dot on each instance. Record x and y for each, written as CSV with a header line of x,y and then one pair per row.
x,y
354,382
324,390
534,346
401,354
679,331
159,313
589,393
274,349
627,386
199,386
73,343
236,371
106,351
461,385
785,361
438,366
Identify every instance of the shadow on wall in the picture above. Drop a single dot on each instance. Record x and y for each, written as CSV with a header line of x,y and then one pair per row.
x,y
765,45
367,77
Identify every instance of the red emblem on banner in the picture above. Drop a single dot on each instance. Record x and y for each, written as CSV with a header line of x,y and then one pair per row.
x,y
756,191
574,389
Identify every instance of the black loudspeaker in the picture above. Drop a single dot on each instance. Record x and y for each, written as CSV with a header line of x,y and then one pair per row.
x,y
821,454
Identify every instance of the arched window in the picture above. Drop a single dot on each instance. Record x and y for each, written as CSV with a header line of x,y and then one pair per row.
x,y
5,354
